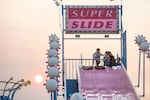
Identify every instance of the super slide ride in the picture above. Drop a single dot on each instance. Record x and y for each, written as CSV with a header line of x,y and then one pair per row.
x,y
106,84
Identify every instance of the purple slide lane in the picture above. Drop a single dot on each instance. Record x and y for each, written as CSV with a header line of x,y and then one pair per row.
x,y
107,81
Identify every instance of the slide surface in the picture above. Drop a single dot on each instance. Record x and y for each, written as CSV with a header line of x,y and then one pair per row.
x,y
106,84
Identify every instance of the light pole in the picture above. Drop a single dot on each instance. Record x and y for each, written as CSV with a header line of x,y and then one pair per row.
x,y
18,87
138,40
6,85
53,66
16,83
11,88
144,47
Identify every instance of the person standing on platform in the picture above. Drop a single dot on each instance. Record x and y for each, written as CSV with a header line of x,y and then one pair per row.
x,y
96,57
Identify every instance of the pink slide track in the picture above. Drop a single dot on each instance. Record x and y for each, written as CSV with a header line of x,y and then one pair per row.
x,y
106,84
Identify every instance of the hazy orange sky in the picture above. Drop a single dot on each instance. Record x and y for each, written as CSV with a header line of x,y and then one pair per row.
x,y
24,29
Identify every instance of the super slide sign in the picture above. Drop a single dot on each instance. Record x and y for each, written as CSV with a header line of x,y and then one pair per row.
x,y
92,19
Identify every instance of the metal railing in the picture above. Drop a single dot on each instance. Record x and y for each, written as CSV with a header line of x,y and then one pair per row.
x,y
72,64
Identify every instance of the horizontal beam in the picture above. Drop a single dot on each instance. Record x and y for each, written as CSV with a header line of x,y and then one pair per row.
x,y
92,38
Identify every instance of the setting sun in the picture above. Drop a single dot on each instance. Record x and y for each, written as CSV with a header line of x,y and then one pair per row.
x,y
38,78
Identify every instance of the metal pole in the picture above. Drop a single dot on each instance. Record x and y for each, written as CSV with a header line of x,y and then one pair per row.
x,y
51,96
55,95
63,72
121,30
62,45
143,74
138,85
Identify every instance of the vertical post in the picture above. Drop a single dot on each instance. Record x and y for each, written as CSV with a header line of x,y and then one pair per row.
x,y
138,85
124,46
51,96
122,33
121,37
121,45
63,69
143,74
55,95
63,45
123,41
